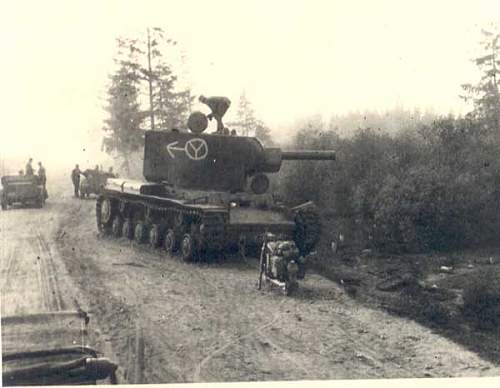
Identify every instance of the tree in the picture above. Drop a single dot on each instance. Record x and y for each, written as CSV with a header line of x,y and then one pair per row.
x,y
263,133
247,124
142,94
122,126
485,94
167,105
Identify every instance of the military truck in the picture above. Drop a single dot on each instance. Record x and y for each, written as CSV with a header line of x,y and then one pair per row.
x,y
22,189
205,193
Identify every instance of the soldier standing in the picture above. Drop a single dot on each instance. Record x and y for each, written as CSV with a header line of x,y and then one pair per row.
x,y
43,178
29,168
75,178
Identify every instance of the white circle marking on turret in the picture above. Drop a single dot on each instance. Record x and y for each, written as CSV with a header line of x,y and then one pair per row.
x,y
196,149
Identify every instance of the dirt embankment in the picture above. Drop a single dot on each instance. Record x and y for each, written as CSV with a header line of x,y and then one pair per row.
x,y
429,289
173,322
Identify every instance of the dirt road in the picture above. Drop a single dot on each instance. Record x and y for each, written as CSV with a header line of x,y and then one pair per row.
x,y
167,321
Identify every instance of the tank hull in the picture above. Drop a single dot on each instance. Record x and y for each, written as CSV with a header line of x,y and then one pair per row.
x,y
212,222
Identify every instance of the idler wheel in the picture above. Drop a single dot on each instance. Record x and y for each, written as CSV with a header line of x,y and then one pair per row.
x,y
188,249
140,233
104,214
117,227
128,229
169,242
155,236
106,211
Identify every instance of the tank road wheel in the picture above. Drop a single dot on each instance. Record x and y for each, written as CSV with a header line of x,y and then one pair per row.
x,y
128,229
106,211
117,227
169,242
307,230
123,208
188,248
155,236
140,232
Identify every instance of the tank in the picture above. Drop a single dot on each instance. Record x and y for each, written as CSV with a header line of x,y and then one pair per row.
x,y
206,193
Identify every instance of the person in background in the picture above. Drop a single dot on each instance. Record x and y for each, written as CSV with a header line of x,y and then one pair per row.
x,y
29,168
43,178
75,178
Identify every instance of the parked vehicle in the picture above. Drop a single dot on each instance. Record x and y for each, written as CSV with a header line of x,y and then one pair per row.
x,y
22,189
50,349
93,182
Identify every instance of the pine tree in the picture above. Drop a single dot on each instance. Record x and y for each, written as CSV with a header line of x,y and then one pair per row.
x,y
123,134
245,122
263,133
142,94
485,94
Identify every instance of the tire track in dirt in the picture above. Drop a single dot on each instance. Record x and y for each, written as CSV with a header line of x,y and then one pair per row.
x,y
48,274
8,269
206,359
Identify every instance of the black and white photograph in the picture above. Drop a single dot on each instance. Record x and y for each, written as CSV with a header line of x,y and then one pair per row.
x,y
246,191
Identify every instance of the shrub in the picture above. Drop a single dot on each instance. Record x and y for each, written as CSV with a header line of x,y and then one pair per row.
x,y
433,188
482,300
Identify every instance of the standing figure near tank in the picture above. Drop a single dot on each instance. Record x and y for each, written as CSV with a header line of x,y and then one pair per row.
x,y
42,176
29,168
75,178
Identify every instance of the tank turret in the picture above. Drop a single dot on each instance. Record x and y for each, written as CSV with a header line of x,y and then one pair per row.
x,y
213,162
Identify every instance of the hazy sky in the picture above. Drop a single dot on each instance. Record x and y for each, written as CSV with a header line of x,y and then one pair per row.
x,y
293,58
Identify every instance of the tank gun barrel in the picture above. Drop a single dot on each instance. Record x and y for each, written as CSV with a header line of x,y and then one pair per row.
x,y
273,157
308,155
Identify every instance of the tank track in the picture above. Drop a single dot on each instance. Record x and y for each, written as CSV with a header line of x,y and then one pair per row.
x,y
307,231
206,230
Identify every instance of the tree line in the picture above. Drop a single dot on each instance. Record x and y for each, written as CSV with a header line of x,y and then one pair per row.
x,y
432,185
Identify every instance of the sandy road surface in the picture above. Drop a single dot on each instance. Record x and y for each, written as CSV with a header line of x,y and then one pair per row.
x,y
208,322
32,272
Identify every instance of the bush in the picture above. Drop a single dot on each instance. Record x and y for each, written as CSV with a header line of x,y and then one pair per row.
x,y
482,300
433,188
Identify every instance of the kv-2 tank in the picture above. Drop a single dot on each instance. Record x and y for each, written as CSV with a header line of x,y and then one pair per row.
x,y
207,192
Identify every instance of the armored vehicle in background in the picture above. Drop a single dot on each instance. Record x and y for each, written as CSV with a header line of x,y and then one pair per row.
x,y
207,192
93,182
22,189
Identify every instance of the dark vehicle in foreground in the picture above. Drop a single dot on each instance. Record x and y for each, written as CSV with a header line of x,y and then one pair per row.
x,y
93,182
22,189
204,193
50,349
